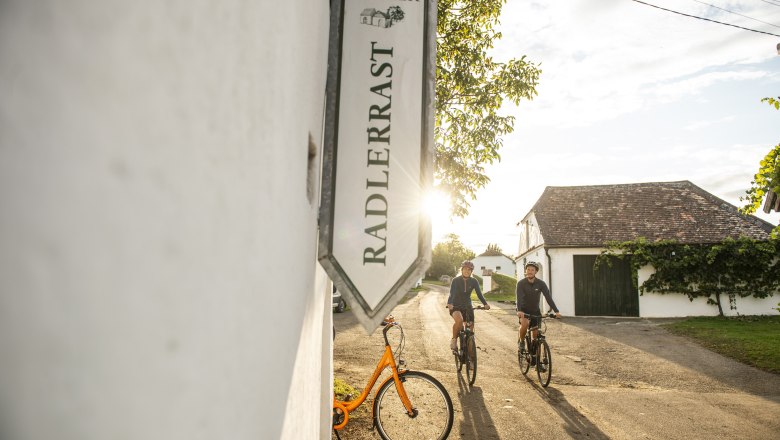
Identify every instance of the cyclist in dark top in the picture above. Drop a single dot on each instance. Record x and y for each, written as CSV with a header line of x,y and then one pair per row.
x,y
459,301
528,293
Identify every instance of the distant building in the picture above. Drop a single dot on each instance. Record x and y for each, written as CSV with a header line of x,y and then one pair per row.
x,y
494,262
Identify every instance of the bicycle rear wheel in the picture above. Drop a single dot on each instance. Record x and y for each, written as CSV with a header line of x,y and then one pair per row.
x,y
544,363
432,405
471,359
524,359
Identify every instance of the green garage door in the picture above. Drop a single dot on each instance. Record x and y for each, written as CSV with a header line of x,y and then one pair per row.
x,y
608,291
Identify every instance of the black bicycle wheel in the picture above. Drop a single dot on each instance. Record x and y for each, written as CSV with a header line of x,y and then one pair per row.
x,y
458,352
524,359
544,363
433,413
471,359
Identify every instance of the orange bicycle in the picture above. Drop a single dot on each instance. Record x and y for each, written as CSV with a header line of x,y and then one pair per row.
x,y
408,404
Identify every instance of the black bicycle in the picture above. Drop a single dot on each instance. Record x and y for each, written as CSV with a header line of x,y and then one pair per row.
x,y
539,354
467,351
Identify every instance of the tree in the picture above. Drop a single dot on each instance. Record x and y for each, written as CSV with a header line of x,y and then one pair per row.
x,y
447,257
470,89
395,13
767,179
734,267
493,247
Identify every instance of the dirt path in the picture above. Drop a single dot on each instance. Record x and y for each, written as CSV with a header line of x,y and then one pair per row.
x,y
612,378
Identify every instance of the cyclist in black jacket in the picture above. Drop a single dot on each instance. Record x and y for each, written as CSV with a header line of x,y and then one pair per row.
x,y
459,301
528,295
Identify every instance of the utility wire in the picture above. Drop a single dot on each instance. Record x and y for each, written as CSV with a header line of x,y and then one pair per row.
x,y
736,13
771,3
706,19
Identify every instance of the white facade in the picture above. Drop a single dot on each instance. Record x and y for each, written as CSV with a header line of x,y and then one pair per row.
x,y
497,263
530,236
158,176
678,305
651,305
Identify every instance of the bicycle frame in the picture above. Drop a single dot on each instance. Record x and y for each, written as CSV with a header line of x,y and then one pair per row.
x,y
387,360
468,326
538,331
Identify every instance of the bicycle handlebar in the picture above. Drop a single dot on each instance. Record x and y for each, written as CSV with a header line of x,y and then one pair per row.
x,y
388,322
475,308
548,315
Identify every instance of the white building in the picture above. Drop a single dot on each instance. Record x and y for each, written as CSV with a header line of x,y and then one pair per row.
x,y
159,178
567,227
495,261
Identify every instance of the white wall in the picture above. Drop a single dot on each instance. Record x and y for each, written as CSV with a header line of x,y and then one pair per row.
x,y
677,305
153,181
530,235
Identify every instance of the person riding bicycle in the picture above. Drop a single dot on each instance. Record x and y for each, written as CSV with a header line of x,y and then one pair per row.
x,y
459,301
528,293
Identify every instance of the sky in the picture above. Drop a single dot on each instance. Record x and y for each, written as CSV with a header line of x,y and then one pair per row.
x,y
630,93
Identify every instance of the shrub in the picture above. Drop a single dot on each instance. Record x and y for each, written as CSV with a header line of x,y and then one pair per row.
x,y
506,284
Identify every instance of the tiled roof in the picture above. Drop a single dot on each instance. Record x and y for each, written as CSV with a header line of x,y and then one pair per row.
x,y
588,216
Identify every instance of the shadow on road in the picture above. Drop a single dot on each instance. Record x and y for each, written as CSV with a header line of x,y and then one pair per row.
x,y
575,423
477,423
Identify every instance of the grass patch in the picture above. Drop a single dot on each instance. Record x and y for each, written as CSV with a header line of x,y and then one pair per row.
x,y
342,389
753,340
360,419
437,282
497,296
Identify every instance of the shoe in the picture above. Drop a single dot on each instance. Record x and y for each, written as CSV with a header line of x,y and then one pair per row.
x,y
454,345
521,347
542,368
533,361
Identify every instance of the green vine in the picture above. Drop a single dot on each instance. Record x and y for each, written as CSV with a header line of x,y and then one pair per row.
x,y
734,267
766,179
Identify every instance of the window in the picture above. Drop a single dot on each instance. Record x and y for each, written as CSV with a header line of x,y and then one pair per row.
x,y
498,267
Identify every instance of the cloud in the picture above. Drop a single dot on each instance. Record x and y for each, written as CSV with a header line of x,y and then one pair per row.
x,y
698,125
672,90
600,63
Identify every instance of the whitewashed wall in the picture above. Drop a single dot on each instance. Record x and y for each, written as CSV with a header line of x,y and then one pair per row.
x,y
677,305
155,187
530,235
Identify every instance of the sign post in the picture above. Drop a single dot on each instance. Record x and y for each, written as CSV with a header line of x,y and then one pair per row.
x,y
375,240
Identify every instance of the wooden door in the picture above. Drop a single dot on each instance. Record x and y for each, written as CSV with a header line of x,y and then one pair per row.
x,y
608,291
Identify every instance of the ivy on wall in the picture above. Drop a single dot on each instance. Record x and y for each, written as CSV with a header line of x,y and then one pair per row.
x,y
767,179
732,268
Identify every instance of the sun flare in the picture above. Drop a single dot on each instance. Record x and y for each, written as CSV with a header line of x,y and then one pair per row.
x,y
436,205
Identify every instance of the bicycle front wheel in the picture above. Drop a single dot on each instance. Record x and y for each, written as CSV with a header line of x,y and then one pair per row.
x,y
544,364
471,359
524,358
458,360
433,414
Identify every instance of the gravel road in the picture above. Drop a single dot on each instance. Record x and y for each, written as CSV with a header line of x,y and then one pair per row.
x,y
613,378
